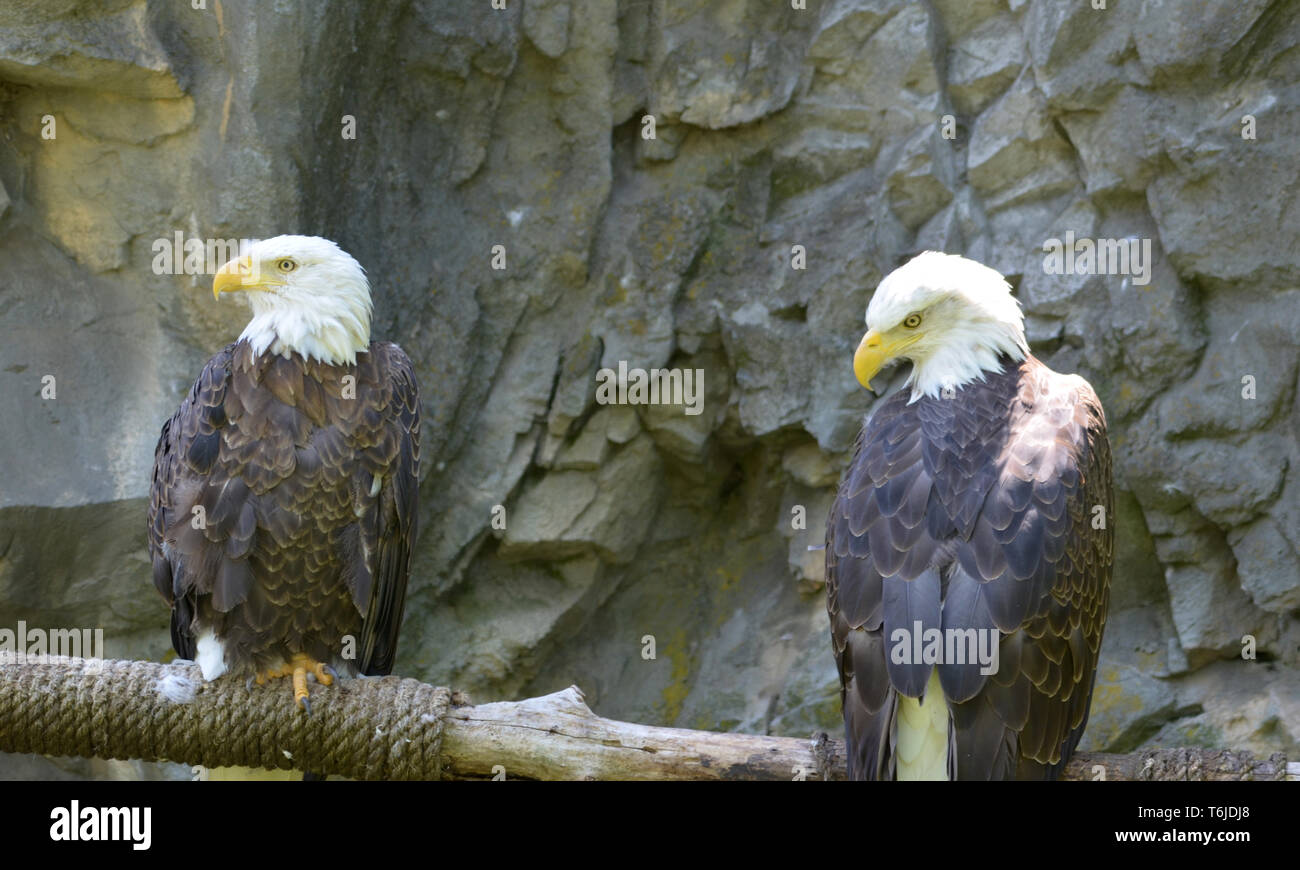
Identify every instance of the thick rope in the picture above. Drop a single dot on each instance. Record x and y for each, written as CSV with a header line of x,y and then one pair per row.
x,y
379,728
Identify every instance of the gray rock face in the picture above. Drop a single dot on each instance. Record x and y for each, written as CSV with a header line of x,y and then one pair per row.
x,y
797,156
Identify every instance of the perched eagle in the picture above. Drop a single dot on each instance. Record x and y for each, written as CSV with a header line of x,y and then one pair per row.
x,y
283,507
969,548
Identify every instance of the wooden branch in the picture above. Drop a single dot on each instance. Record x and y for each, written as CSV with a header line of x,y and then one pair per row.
x,y
393,728
557,737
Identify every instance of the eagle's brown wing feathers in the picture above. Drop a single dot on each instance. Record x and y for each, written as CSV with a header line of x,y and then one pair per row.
x,y
390,523
187,451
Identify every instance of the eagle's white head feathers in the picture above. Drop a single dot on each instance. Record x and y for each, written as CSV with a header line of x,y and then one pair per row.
x,y
308,297
952,317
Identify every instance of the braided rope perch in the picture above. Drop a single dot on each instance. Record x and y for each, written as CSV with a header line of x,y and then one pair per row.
x,y
380,728
388,728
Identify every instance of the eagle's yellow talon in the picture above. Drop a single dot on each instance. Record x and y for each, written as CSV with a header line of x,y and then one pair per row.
x,y
299,685
298,668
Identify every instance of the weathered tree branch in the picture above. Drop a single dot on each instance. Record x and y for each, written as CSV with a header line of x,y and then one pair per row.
x,y
394,728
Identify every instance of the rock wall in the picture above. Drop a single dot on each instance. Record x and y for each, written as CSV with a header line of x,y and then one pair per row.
x,y
862,130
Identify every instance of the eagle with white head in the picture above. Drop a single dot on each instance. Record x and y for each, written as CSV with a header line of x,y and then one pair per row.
x,y
969,547
283,509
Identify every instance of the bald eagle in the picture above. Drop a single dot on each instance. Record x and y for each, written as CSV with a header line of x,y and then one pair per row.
x,y
969,546
284,499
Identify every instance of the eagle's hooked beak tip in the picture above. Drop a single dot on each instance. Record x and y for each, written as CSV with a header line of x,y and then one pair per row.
x,y
233,276
870,356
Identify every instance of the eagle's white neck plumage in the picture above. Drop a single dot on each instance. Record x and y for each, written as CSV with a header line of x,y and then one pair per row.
x,y
332,332
972,350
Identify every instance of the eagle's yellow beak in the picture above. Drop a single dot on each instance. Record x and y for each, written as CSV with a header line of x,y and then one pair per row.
x,y
236,275
872,353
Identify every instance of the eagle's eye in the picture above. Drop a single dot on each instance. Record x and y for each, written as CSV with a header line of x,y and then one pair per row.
x,y
286,265
912,321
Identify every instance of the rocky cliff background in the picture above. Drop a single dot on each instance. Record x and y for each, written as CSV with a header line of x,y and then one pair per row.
x,y
774,127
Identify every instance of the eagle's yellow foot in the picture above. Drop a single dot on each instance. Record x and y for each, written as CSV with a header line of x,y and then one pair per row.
x,y
298,668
